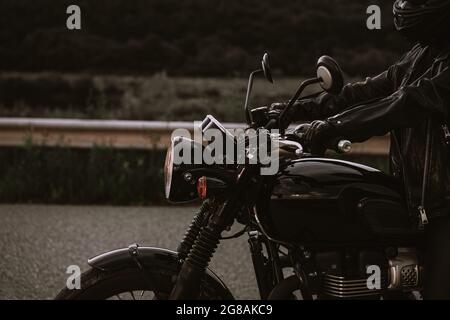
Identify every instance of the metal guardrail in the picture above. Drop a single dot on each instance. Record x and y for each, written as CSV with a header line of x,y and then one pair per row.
x,y
83,133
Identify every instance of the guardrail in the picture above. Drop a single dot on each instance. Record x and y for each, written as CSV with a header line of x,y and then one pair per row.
x,y
83,133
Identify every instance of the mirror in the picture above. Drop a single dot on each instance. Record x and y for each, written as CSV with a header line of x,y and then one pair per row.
x,y
266,70
330,74
266,67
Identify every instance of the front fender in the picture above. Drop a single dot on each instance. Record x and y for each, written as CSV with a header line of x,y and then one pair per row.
x,y
151,257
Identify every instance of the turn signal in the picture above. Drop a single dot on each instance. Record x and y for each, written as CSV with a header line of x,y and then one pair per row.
x,y
202,187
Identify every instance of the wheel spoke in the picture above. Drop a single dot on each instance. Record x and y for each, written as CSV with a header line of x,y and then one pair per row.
x,y
139,295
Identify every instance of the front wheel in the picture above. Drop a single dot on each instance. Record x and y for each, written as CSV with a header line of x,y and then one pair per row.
x,y
129,284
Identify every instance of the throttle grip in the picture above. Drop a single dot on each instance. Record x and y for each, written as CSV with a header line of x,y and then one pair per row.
x,y
339,144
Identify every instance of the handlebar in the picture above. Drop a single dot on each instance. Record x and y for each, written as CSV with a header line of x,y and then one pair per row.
x,y
271,124
339,144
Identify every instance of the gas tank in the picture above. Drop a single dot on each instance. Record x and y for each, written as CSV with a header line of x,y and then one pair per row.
x,y
331,202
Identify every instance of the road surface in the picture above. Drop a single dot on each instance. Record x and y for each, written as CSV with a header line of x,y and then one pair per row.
x,y
39,242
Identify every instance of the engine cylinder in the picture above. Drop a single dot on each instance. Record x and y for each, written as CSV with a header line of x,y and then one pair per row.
x,y
402,274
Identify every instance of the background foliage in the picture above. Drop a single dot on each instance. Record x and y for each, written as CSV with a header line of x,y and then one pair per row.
x,y
176,60
194,37
156,97
38,174
160,60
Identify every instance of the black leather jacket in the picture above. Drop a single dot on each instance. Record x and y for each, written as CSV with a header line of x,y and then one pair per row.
x,y
400,100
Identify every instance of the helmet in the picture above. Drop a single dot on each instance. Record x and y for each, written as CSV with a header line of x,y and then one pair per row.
x,y
422,20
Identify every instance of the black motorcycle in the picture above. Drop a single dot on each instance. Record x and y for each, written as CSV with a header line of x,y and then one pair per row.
x,y
320,228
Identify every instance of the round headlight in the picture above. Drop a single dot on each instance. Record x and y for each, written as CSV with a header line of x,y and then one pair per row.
x,y
168,170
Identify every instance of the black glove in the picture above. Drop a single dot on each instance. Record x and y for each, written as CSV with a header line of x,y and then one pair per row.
x,y
278,106
275,111
318,136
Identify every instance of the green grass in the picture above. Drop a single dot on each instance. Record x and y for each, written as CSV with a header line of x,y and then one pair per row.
x,y
34,174
134,98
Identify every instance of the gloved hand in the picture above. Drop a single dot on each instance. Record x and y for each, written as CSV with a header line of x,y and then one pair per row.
x,y
275,111
318,135
278,106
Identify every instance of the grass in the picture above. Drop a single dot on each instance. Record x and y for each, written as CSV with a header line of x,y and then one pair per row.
x,y
157,97
35,174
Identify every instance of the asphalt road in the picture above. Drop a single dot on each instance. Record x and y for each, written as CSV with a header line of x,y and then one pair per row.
x,y
39,242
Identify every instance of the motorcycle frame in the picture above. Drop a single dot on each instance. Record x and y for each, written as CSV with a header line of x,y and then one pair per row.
x,y
268,270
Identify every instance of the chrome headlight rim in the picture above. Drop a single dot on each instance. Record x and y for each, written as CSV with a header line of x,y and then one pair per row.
x,y
168,170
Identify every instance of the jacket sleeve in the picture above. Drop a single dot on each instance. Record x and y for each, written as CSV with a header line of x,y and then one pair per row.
x,y
373,88
405,108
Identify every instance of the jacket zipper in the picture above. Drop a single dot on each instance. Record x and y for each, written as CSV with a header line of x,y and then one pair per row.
x,y
422,211
426,167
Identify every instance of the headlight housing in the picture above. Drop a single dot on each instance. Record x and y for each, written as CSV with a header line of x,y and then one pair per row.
x,y
168,170
181,172
180,184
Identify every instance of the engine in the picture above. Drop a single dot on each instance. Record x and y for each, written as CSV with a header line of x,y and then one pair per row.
x,y
368,275
404,271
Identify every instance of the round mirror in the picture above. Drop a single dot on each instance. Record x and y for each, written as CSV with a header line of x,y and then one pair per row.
x,y
330,74
266,67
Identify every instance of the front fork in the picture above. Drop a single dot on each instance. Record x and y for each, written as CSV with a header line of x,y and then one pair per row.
x,y
197,249
193,230
220,217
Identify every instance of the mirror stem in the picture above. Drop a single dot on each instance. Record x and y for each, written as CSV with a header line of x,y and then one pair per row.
x,y
248,116
297,94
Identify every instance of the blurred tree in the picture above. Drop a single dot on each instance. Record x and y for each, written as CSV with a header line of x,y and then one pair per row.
x,y
194,37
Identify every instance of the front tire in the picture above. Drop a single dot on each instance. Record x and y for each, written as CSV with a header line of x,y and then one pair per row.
x,y
129,284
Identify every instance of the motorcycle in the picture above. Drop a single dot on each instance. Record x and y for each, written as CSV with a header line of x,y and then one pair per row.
x,y
320,228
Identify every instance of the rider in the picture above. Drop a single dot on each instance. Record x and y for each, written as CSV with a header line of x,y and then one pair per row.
x,y
412,101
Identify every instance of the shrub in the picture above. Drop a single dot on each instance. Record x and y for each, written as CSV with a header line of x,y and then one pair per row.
x,y
90,176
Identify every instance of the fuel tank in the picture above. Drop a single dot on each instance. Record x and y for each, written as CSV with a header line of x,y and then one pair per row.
x,y
330,202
